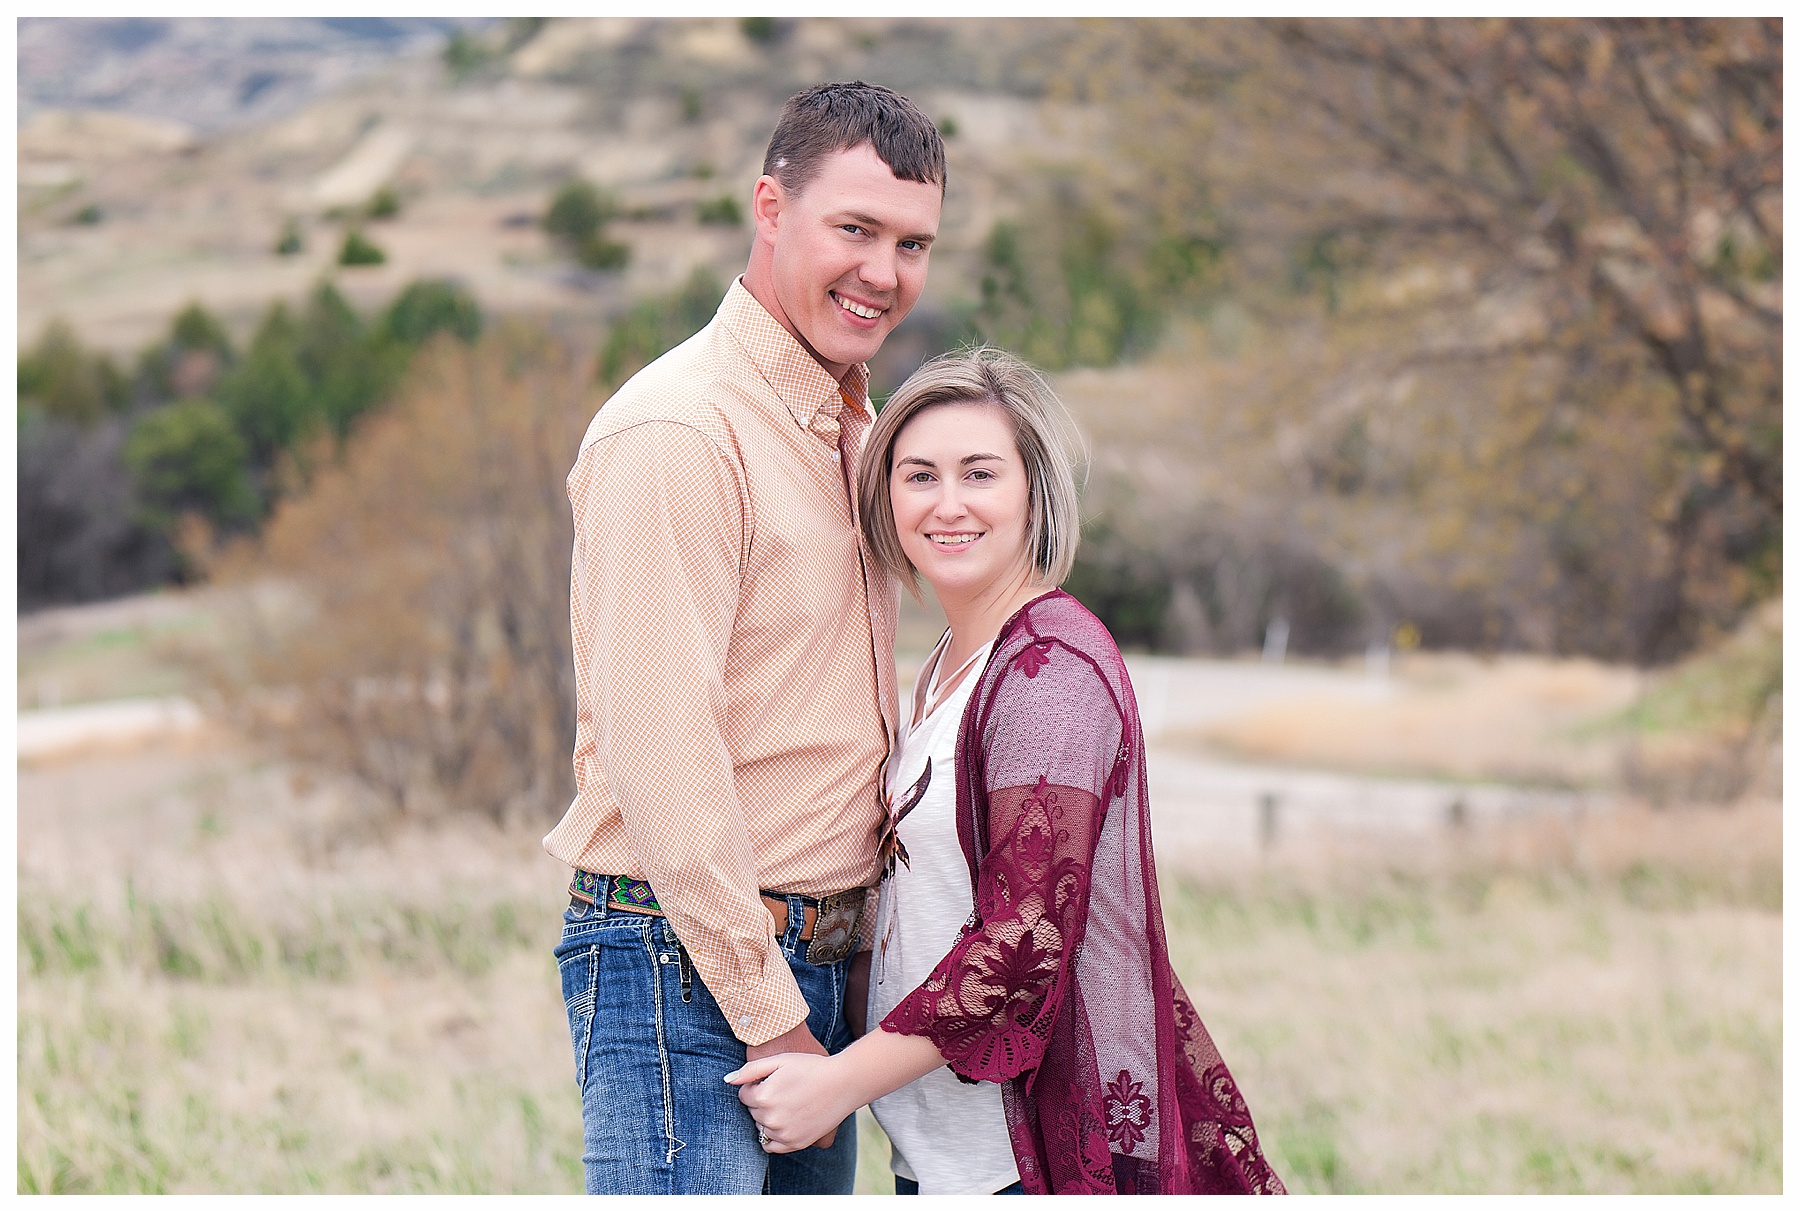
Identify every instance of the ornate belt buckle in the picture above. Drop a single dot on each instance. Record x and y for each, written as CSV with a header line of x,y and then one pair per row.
x,y
834,931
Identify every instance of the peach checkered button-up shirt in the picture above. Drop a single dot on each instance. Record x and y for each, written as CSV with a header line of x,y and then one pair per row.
x,y
733,650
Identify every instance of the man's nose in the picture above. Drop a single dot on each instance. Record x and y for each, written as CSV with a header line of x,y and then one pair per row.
x,y
880,270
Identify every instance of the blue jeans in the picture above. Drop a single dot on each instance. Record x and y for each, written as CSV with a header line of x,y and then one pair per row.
x,y
651,1053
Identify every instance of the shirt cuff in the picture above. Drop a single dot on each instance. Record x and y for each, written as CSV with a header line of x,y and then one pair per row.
x,y
756,1014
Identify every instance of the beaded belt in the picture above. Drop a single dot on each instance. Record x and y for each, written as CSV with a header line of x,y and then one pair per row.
x,y
830,925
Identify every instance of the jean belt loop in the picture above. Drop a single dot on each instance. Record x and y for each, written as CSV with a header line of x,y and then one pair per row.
x,y
796,924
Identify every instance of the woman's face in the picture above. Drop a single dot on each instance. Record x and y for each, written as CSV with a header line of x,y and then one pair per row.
x,y
961,498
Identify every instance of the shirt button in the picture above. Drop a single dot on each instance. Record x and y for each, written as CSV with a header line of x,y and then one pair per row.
x,y
743,1020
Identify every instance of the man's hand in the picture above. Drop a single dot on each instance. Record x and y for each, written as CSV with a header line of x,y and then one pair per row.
x,y
797,1039
794,1098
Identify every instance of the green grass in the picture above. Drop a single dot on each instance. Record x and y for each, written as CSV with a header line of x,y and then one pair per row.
x,y
1530,1034
1502,1033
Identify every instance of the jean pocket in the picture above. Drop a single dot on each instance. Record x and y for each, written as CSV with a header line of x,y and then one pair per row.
x,y
580,975
579,917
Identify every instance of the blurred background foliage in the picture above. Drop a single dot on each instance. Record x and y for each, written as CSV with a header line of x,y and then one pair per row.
x,y
1454,337
113,466
1467,331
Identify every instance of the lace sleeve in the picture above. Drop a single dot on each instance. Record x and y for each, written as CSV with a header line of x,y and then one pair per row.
x,y
1041,752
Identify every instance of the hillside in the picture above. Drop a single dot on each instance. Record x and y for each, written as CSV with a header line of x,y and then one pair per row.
x,y
126,216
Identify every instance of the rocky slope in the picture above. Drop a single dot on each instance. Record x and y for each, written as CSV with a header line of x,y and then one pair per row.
x,y
126,215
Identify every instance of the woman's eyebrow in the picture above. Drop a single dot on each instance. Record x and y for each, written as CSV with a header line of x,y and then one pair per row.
x,y
918,460
976,458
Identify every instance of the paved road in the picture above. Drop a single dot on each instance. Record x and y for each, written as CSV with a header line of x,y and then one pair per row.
x,y
58,728
1201,807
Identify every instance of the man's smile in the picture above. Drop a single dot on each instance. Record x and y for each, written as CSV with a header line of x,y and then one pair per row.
x,y
860,310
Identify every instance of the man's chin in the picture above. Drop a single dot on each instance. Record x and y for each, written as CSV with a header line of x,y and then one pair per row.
x,y
849,349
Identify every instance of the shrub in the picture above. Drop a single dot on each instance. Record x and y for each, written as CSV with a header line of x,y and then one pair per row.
x,y
577,219
723,210
267,396
291,241
358,250
464,55
385,204
65,380
195,328
578,212
428,307
188,457
600,253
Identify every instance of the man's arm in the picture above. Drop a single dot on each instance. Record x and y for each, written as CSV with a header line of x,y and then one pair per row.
x,y
659,543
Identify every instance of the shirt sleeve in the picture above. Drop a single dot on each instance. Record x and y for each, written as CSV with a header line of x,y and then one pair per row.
x,y
660,526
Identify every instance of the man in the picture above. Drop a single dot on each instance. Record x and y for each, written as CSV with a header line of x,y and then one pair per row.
x,y
734,669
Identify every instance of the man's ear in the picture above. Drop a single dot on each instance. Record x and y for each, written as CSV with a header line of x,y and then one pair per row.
x,y
765,207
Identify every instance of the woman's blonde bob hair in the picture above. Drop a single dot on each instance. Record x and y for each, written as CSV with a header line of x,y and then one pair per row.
x,y
1049,445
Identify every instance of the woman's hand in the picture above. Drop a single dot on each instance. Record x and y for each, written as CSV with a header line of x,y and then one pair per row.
x,y
796,1098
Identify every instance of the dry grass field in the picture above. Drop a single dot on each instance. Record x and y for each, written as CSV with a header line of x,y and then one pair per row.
x,y
1449,715
231,981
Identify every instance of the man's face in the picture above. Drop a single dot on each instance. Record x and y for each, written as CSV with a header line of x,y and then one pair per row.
x,y
849,253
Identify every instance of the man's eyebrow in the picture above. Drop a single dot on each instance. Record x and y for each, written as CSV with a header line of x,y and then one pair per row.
x,y
870,221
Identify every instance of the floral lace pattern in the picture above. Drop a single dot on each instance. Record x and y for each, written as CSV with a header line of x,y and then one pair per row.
x,y
1128,1112
1051,806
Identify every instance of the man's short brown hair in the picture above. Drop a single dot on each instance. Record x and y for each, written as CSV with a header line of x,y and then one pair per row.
x,y
829,118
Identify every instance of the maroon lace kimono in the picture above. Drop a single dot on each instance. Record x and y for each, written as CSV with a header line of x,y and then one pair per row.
x,y
1059,987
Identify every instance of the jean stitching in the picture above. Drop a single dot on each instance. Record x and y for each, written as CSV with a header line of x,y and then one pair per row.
x,y
662,1056
589,995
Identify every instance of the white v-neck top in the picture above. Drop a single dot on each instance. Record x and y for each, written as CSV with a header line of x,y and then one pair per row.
x,y
948,1136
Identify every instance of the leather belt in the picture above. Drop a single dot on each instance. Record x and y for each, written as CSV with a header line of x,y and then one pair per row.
x,y
829,925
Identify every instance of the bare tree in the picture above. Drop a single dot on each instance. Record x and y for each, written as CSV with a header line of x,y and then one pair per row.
x,y
413,627
1547,257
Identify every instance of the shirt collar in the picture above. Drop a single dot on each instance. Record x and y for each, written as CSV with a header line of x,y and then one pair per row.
x,y
803,385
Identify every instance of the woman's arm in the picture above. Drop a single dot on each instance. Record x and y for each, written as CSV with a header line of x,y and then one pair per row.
x,y
1036,765
797,1097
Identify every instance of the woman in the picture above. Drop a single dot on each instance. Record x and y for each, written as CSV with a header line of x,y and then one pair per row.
x,y
1020,939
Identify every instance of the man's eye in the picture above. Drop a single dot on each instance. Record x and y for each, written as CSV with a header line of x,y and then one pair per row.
x,y
853,229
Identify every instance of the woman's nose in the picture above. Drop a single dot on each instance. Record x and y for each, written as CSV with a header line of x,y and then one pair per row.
x,y
949,502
